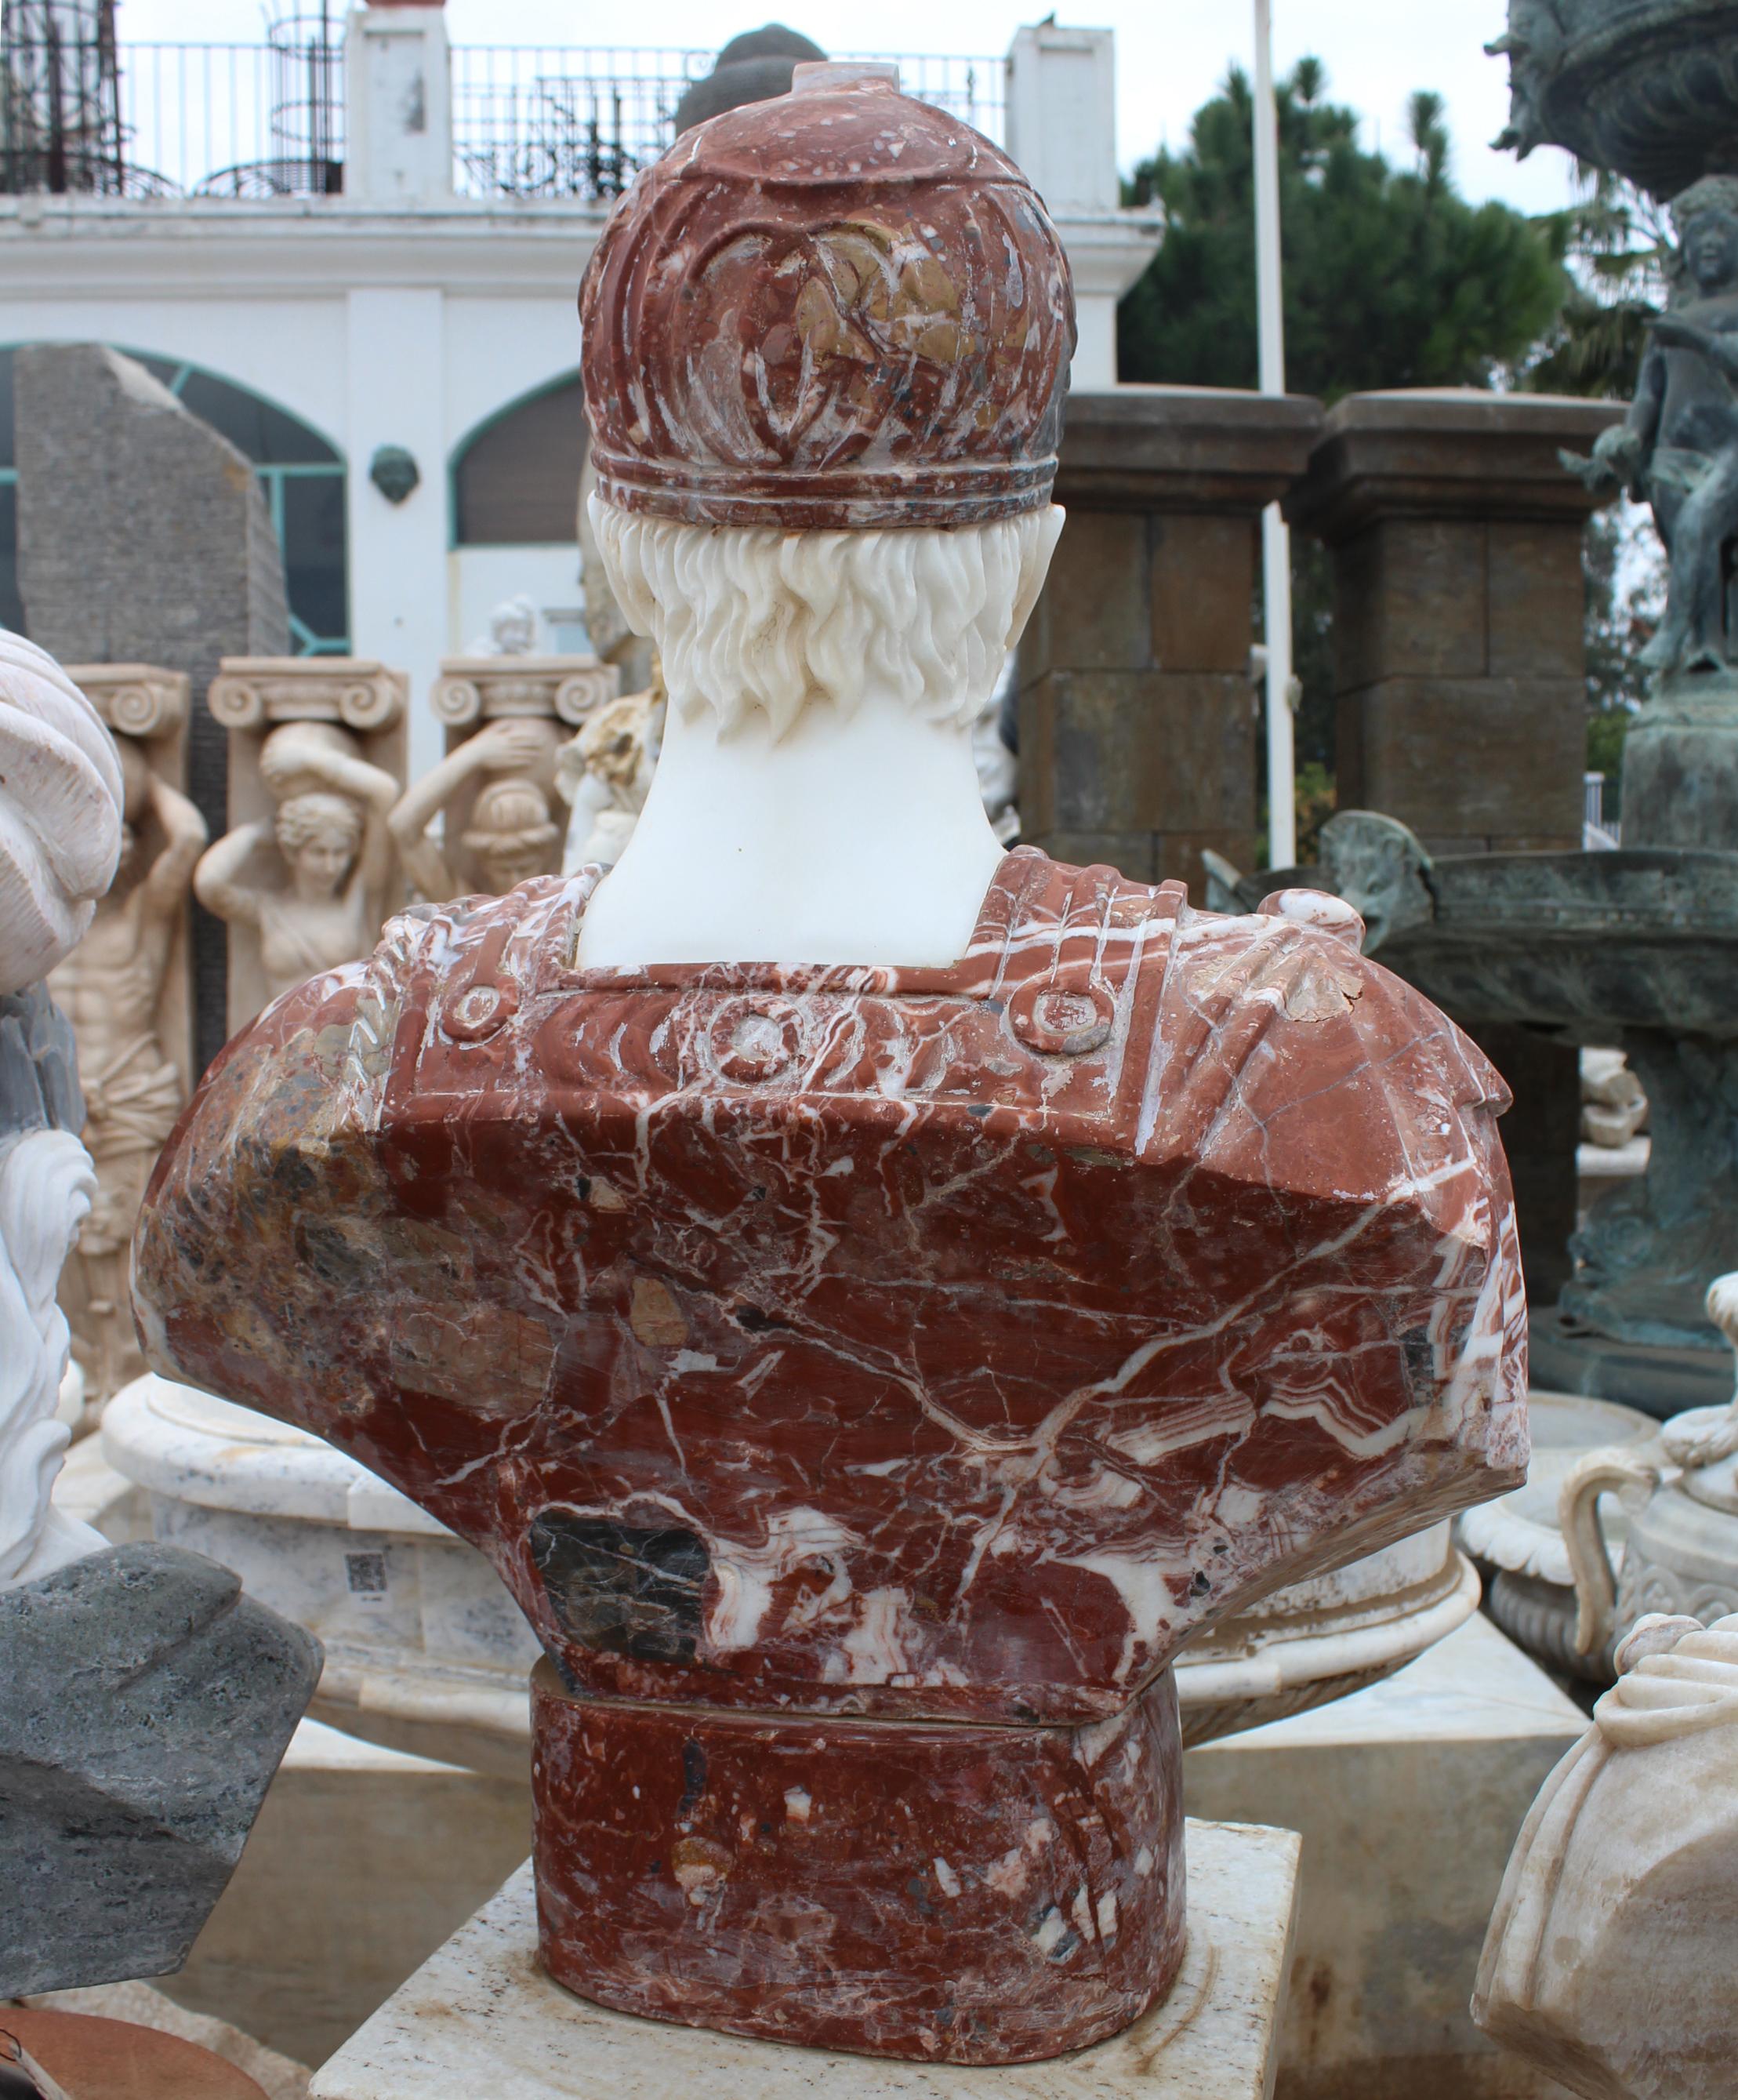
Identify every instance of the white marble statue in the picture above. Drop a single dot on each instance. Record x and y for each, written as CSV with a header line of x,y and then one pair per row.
x,y
61,798
110,988
605,773
823,691
1609,1958
499,782
330,841
513,630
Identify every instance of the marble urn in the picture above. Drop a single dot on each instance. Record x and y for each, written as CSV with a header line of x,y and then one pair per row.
x,y
874,1299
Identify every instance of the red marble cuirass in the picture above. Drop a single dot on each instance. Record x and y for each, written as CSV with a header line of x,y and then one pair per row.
x,y
866,1380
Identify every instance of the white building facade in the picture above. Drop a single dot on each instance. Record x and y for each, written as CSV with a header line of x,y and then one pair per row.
x,y
428,306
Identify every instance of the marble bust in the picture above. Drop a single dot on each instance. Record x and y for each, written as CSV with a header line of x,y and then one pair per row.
x,y
873,1297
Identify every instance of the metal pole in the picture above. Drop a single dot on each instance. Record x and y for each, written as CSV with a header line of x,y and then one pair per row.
x,y
1276,538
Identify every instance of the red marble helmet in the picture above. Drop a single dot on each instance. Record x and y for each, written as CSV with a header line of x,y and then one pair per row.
x,y
839,307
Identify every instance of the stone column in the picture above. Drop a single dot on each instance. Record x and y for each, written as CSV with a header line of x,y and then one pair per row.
x,y
1459,666
1138,718
143,538
399,103
1460,673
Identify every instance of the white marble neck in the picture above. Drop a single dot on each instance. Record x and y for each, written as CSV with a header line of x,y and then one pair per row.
x,y
857,836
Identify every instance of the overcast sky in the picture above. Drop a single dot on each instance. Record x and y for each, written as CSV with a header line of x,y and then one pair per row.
x,y
1170,54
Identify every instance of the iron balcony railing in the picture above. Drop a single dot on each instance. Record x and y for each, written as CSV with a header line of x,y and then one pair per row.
x,y
562,121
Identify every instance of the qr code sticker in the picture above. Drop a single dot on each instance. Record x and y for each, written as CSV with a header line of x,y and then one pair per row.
x,y
368,1574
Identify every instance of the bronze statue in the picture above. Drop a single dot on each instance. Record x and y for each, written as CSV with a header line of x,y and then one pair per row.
x,y
1678,448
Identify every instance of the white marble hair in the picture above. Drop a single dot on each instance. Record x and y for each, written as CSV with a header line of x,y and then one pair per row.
x,y
61,798
754,618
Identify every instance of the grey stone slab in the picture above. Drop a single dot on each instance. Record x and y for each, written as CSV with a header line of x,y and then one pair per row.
x,y
147,1704
143,537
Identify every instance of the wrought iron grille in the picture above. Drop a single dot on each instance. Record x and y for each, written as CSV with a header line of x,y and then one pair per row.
x,y
60,126
576,121
266,120
305,55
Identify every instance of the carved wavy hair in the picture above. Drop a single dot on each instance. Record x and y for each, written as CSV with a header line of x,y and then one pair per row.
x,y
305,818
60,803
746,618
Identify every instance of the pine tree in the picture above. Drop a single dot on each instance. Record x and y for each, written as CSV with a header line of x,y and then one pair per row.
x,y
1392,277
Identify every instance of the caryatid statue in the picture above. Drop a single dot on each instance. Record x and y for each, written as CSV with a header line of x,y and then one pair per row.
x,y
873,1297
509,833
111,989
333,850
1678,448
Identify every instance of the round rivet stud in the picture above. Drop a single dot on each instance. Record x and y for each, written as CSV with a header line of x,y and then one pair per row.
x,y
1061,1021
755,1040
479,1010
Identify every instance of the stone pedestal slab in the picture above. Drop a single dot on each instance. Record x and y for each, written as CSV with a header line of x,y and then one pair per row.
x,y
481,2016
1139,719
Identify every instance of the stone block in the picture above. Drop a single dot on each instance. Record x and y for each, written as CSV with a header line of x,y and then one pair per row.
x,y
1126,751
1408,1796
1500,755
1095,614
148,1703
481,2016
362,1861
1409,601
1202,591
1536,599
143,538
1161,450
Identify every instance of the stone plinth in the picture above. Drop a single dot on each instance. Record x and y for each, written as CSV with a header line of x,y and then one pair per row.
x,y
1459,606
143,537
481,2015
1139,722
1407,1797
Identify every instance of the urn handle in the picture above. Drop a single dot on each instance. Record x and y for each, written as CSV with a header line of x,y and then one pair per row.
x,y
1599,1472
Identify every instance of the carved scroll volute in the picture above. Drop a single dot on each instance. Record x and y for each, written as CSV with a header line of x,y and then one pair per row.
x,y
251,692
475,689
581,692
237,702
134,699
457,701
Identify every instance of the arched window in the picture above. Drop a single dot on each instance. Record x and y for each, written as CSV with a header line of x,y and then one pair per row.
x,y
516,479
301,475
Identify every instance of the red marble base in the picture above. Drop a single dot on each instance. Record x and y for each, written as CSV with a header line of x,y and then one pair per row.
x,y
961,1893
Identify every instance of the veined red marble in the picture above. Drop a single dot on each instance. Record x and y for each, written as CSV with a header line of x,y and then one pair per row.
x,y
899,1346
